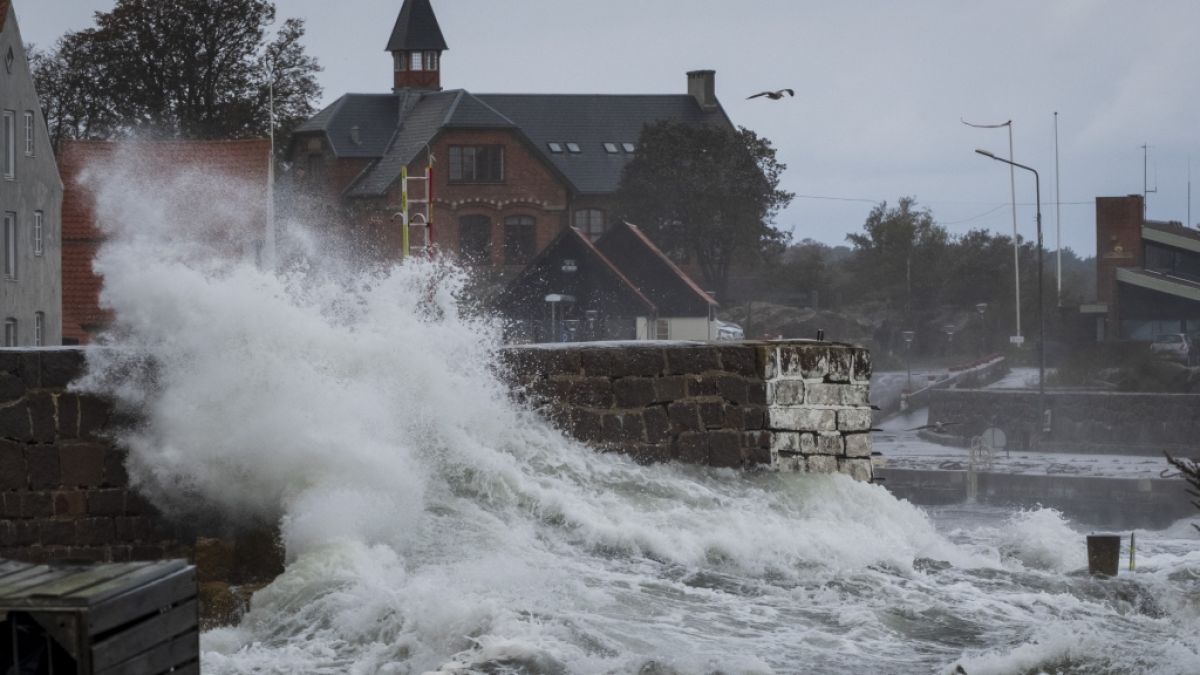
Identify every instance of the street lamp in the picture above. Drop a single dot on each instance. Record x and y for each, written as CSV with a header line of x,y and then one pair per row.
x,y
908,340
1041,301
982,309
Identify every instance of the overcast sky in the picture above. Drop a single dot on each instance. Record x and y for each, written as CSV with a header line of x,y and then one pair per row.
x,y
880,88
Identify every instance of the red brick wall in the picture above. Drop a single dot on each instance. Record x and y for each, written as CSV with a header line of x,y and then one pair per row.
x,y
1118,240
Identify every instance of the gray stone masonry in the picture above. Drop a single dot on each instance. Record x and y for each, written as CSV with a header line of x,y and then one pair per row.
x,y
797,406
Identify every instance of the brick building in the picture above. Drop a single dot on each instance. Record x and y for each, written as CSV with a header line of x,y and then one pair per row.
x,y
1147,273
510,171
247,162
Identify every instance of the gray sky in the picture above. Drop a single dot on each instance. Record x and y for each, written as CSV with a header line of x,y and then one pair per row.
x,y
880,88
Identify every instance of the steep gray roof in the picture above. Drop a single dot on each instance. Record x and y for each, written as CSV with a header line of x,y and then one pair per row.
x,y
588,120
416,29
591,120
374,115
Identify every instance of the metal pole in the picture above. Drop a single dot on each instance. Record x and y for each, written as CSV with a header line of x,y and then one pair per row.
x,y
1057,213
270,243
1012,184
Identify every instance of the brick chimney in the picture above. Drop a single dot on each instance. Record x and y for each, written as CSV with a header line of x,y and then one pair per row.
x,y
702,86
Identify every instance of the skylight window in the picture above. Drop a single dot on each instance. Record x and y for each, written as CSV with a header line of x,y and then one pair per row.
x,y
628,147
611,148
555,147
574,148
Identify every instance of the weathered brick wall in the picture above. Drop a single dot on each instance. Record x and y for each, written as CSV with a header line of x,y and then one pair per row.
x,y
789,406
64,493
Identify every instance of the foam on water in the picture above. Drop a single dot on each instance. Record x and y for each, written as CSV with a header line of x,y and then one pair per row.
x,y
433,526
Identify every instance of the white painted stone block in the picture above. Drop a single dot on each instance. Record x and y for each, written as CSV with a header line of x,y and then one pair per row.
x,y
801,418
854,419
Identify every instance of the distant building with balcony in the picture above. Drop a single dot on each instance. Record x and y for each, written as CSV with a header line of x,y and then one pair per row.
x,y
30,203
1147,273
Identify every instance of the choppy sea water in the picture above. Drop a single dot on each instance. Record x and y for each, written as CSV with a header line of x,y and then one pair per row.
x,y
432,525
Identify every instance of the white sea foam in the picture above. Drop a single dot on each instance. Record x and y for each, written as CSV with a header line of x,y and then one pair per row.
x,y
432,525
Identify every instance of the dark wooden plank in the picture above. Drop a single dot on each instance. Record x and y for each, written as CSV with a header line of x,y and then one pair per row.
x,y
140,638
159,659
147,573
146,599
8,567
77,580
32,576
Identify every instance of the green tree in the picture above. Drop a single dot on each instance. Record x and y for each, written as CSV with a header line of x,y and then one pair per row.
x,y
198,69
900,257
707,194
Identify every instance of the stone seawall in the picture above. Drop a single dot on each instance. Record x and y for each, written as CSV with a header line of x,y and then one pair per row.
x,y
789,406
1100,422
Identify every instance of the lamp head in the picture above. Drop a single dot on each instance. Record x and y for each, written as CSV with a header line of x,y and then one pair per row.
x,y
985,153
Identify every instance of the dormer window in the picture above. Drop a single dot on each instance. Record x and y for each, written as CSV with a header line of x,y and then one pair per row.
x,y
574,148
628,147
611,148
556,148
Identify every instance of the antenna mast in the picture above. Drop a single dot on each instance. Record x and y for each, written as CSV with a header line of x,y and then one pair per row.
x,y
1146,191
1057,212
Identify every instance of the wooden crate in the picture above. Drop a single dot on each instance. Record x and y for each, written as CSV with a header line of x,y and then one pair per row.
x,y
137,618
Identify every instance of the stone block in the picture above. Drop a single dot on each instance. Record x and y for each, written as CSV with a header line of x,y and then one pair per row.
x,y
10,505
821,464
106,502
733,418
137,505
26,532
712,414
858,445
724,448
855,394
785,392
756,392
739,360
702,385
689,359
70,503
691,447
15,422
800,418
36,504
753,416
43,463
658,424
650,453
115,474
8,534
23,364
860,366
786,442
624,428
858,469
854,419
830,444
13,474
840,364
147,552
94,415
685,416
42,417
586,425
56,532
59,367
733,388
823,394
614,362
670,388
804,361
593,392
634,392
11,388
82,464
757,457
68,415
94,531
531,363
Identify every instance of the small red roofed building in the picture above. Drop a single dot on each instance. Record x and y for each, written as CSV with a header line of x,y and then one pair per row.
x,y
246,161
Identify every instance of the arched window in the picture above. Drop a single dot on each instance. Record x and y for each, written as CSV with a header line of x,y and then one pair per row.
x,y
520,239
590,222
475,238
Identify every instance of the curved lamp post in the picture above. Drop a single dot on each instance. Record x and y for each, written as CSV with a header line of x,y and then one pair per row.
x,y
1041,301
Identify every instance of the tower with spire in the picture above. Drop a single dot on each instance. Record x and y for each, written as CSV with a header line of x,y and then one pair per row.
x,y
416,46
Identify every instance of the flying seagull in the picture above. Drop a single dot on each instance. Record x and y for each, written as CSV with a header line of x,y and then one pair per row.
x,y
939,427
773,95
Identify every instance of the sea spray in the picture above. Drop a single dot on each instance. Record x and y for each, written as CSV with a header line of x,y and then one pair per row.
x,y
432,525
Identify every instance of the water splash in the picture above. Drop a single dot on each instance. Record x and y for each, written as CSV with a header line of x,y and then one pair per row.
x,y
432,525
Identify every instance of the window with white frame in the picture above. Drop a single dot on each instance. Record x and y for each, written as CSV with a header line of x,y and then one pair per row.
x,y
39,220
431,60
10,245
10,144
10,332
414,62
29,133
39,329
662,329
